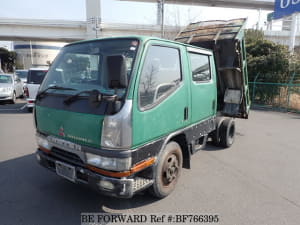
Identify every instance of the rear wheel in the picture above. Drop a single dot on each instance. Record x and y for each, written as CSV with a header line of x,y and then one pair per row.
x,y
227,133
167,170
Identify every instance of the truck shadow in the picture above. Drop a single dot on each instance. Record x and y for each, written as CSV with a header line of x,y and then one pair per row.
x,y
210,147
31,194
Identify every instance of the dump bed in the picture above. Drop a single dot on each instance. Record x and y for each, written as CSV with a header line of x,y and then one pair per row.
x,y
226,39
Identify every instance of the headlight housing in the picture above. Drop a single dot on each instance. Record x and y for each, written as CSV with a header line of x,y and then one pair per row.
x,y
114,164
117,129
6,89
43,142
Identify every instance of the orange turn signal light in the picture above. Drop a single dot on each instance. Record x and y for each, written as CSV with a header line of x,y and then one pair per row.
x,y
138,167
44,149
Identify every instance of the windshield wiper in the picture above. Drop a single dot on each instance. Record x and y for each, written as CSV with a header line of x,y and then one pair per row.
x,y
94,97
55,87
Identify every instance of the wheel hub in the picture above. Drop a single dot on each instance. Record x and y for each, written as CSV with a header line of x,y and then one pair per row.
x,y
170,169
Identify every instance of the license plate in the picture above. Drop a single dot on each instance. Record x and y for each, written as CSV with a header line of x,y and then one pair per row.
x,y
65,170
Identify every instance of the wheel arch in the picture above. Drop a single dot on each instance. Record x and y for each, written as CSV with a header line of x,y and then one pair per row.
x,y
180,138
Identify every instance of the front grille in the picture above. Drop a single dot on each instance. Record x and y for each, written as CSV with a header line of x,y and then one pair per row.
x,y
66,156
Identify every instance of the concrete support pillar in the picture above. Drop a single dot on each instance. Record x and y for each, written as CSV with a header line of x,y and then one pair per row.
x,y
93,18
258,25
158,14
293,32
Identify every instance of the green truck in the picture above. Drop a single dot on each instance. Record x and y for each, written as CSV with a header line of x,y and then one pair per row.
x,y
126,114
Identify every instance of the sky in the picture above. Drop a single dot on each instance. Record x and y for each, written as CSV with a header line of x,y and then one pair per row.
x,y
114,11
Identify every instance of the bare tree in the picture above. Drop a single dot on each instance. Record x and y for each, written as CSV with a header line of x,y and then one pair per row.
x,y
149,80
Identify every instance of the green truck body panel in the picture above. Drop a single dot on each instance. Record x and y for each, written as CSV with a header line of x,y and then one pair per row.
x,y
203,97
84,129
168,115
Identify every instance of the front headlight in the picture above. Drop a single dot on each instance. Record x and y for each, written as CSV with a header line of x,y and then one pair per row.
x,y
43,142
115,164
117,129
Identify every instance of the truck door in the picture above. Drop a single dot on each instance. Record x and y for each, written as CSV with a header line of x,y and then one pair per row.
x,y
226,40
203,84
161,96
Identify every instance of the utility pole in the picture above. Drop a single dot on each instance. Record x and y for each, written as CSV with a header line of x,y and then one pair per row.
x,y
93,18
160,16
31,53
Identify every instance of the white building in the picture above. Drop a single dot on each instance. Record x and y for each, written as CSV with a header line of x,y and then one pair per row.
x,y
36,53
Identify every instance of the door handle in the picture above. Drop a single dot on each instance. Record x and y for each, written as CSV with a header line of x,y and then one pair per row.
x,y
186,113
213,104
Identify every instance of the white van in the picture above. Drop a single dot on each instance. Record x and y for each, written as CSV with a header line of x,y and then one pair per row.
x,y
22,74
34,79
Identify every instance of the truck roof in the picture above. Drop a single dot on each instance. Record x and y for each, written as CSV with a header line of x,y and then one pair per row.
x,y
139,37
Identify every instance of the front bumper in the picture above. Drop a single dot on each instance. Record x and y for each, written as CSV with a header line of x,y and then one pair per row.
x,y
122,187
4,97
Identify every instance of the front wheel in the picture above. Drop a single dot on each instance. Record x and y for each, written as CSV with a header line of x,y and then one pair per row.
x,y
167,170
14,97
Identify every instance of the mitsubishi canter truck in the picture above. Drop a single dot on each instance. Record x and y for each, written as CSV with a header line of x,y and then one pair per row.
x,y
126,114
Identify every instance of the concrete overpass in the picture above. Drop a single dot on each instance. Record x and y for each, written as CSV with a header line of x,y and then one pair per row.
x,y
68,31
243,4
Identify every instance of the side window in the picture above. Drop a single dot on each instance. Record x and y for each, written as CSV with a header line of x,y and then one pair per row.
x,y
161,75
200,67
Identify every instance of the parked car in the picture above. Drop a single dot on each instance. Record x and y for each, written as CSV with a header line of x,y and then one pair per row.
x,y
11,87
22,74
34,79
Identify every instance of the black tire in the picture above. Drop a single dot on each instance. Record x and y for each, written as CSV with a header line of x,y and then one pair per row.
x,y
30,109
227,133
14,97
215,138
215,135
167,170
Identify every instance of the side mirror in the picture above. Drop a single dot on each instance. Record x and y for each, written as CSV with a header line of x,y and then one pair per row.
x,y
117,72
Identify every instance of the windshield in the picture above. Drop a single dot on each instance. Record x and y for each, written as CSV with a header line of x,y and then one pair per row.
x,y
4,79
22,73
36,76
104,65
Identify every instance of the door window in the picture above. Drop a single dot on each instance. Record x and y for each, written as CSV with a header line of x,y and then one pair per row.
x,y
161,75
200,67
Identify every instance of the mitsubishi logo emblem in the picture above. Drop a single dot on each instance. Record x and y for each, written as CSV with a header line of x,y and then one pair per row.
x,y
61,131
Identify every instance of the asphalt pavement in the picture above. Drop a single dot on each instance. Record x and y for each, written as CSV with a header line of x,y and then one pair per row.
x,y
255,182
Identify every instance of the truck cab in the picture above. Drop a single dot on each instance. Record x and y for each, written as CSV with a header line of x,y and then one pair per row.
x,y
126,114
